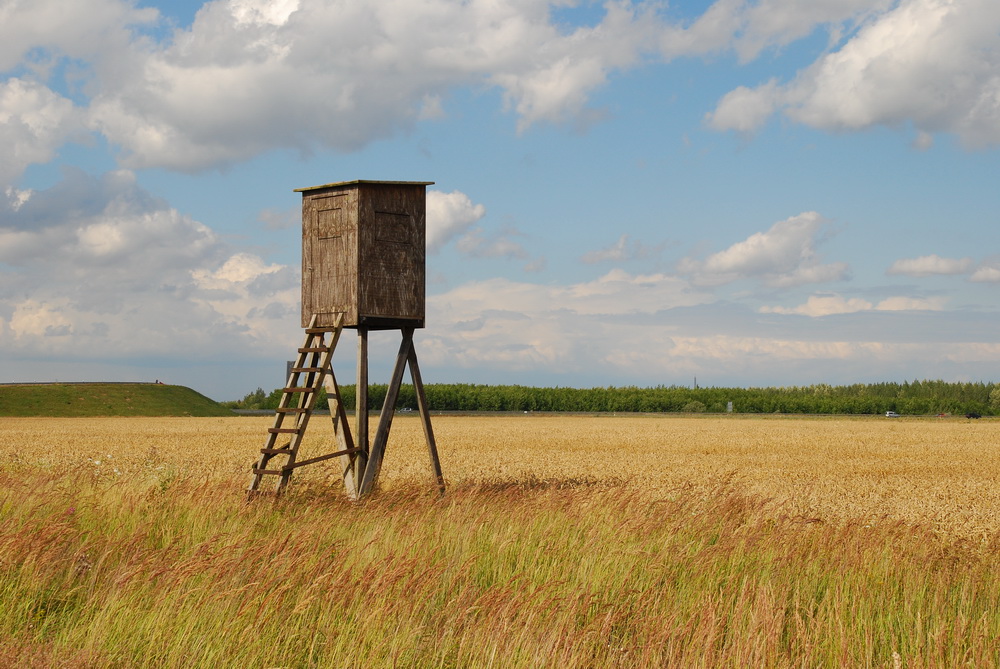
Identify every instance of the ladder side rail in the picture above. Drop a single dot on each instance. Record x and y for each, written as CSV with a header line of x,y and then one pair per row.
x,y
309,359
307,400
268,451
324,363
294,381
293,377
284,402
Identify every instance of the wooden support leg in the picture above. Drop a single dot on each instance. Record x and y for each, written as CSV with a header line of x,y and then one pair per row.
x,y
425,418
361,406
385,418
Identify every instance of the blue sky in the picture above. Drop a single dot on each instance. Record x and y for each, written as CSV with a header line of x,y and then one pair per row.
x,y
753,193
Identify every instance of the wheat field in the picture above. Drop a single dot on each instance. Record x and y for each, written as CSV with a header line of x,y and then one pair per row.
x,y
942,472
562,541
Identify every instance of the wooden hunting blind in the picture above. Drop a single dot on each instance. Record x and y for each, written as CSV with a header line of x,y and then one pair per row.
x,y
363,251
363,255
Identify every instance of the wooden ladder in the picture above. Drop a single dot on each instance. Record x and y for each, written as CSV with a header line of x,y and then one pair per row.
x,y
311,370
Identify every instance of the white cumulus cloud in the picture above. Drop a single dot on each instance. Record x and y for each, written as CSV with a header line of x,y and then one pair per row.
x,y
448,216
930,62
827,305
523,325
823,305
249,76
34,123
783,256
76,29
931,265
96,268
986,274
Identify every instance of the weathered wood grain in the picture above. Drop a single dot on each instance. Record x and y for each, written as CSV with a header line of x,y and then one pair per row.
x,y
364,253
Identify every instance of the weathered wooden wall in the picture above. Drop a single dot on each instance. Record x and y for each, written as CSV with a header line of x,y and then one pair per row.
x,y
329,255
363,253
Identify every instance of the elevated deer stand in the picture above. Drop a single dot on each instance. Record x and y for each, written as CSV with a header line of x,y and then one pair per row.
x,y
363,268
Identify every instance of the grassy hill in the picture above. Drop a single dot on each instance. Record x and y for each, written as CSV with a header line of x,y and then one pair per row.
x,y
106,399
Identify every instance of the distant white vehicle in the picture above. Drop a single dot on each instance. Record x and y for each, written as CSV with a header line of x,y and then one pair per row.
x,y
891,414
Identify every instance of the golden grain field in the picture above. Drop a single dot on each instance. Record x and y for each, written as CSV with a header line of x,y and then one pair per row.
x,y
938,472
562,542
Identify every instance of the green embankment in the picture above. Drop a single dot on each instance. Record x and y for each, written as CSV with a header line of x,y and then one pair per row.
x,y
106,399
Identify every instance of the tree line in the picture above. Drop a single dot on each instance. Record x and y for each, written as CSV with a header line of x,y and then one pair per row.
x,y
908,397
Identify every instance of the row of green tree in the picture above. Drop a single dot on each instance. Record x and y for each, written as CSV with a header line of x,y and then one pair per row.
x,y
913,398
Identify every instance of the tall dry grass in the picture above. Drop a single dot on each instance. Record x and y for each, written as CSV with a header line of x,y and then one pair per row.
x,y
562,542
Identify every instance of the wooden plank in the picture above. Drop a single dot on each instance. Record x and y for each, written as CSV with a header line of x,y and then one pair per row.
x,y
283,430
289,410
299,389
276,451
385,419
260,472
321,458
302,370
342,433
313,349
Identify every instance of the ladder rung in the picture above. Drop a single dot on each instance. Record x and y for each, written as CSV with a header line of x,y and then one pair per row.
x,y
300,390
307,369
319,330
314,349
276,451
282,430
275,472
289,410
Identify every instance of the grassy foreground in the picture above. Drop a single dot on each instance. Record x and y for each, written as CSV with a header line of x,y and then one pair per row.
x,y
159,562
533,574
105,399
